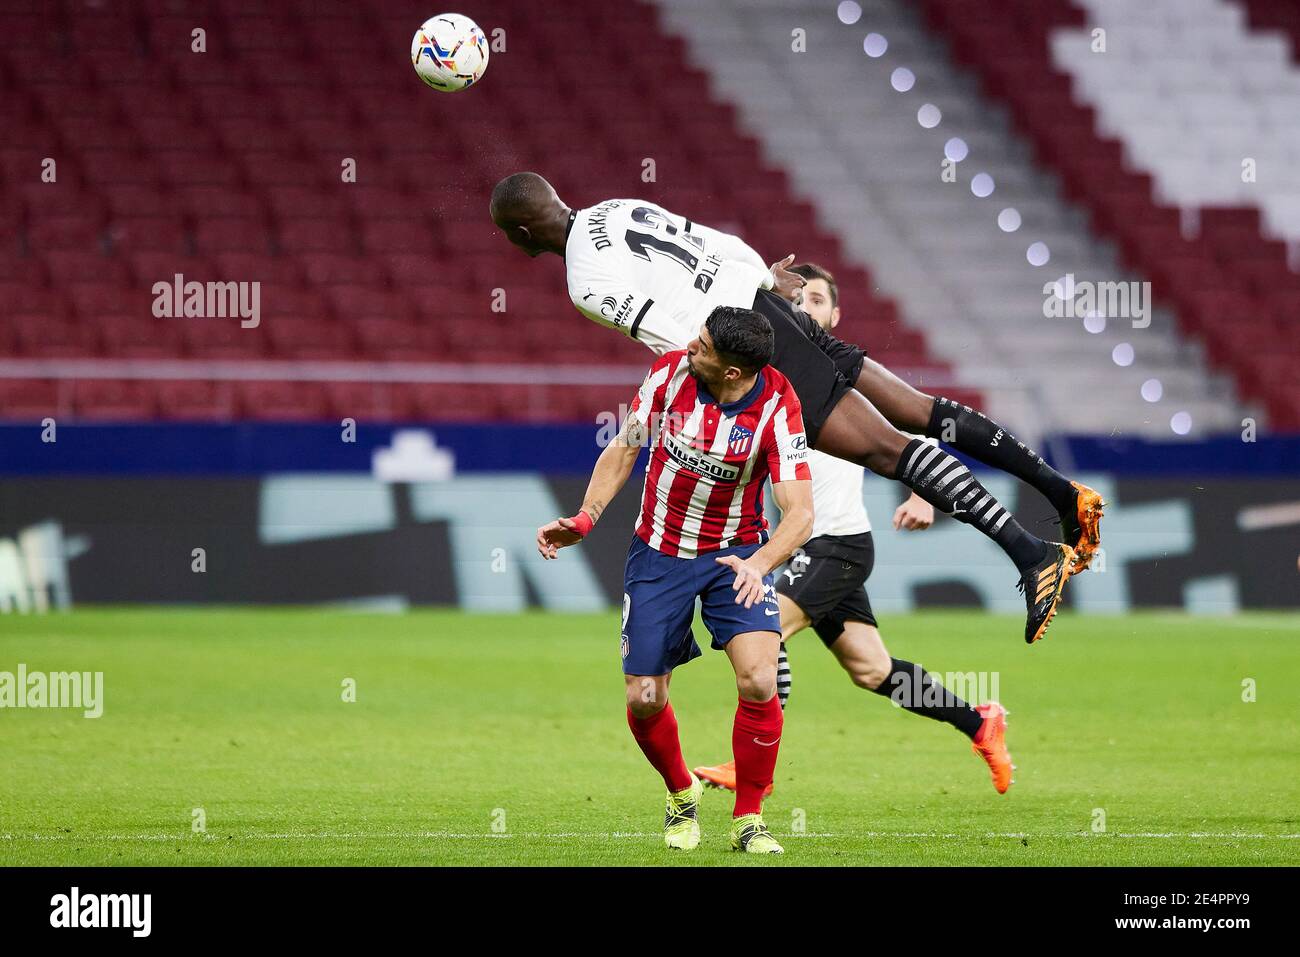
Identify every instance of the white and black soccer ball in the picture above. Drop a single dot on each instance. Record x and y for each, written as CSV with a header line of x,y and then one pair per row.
x,y
449,52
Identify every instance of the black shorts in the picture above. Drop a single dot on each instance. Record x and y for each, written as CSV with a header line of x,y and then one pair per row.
x,y
820,367
828,582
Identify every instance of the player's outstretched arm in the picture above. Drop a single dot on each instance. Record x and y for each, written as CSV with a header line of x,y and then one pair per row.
x,y
796,503
608,477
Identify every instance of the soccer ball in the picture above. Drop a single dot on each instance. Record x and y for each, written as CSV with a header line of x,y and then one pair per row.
x,y
449,52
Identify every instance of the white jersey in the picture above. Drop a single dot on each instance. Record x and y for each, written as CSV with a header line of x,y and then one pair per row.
x,y
837,496
653,275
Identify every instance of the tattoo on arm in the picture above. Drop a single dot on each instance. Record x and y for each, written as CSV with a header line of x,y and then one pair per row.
x,y
633,432
594,508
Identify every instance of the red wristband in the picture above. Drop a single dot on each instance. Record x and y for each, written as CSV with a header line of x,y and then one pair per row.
x,y
584,523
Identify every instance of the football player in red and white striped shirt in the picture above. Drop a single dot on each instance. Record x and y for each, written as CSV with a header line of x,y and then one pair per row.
x,y
720,420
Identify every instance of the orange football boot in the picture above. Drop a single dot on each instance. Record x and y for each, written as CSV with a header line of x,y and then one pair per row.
x,y
990,743
1084,527
723,776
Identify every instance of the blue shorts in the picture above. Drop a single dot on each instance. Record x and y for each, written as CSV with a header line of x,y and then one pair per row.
x,y
659,593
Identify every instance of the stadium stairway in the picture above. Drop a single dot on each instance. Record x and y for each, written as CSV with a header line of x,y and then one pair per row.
x,y
1198,80
872,172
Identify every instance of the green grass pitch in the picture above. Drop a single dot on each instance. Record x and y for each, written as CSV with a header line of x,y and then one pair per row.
x,y
501,739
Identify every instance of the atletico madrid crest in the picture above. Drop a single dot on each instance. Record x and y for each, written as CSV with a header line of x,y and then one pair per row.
x,y
740,440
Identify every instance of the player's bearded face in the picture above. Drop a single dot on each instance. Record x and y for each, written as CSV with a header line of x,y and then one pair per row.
x,y
697,365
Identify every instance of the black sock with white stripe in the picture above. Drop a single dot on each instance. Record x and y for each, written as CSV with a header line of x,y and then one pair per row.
x,y
915,690
783,680
981,438
950,487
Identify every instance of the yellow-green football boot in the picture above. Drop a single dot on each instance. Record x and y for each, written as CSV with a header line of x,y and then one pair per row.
x,y
750,834
681,817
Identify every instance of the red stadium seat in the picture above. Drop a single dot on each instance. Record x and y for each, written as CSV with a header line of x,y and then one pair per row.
x,y
65,232
222,339
67,266
280,272
283,401
41,200
27,31
91,300
253,135
163,234
113,400
354,302
232,235
369,401
129,200
294,337
384,237
26,272
309,303
397,340
304,202
203,202
30,400
170,133
101,167
457,402
150,267
284,169
194,169
327,269
194,400
327,135
133,337
315,236
379,202
42,337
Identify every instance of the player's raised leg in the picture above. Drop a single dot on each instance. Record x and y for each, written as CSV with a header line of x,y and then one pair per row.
x,y
975,434
755,737
861,653
654,726
856,431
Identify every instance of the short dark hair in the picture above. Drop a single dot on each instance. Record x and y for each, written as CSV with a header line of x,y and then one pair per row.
x,y
814,271
741,336
516,196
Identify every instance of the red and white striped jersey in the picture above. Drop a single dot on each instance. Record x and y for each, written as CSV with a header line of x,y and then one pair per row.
x,y
704,481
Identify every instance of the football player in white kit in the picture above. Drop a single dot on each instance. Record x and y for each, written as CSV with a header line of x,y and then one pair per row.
x,y
633,266
823,587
